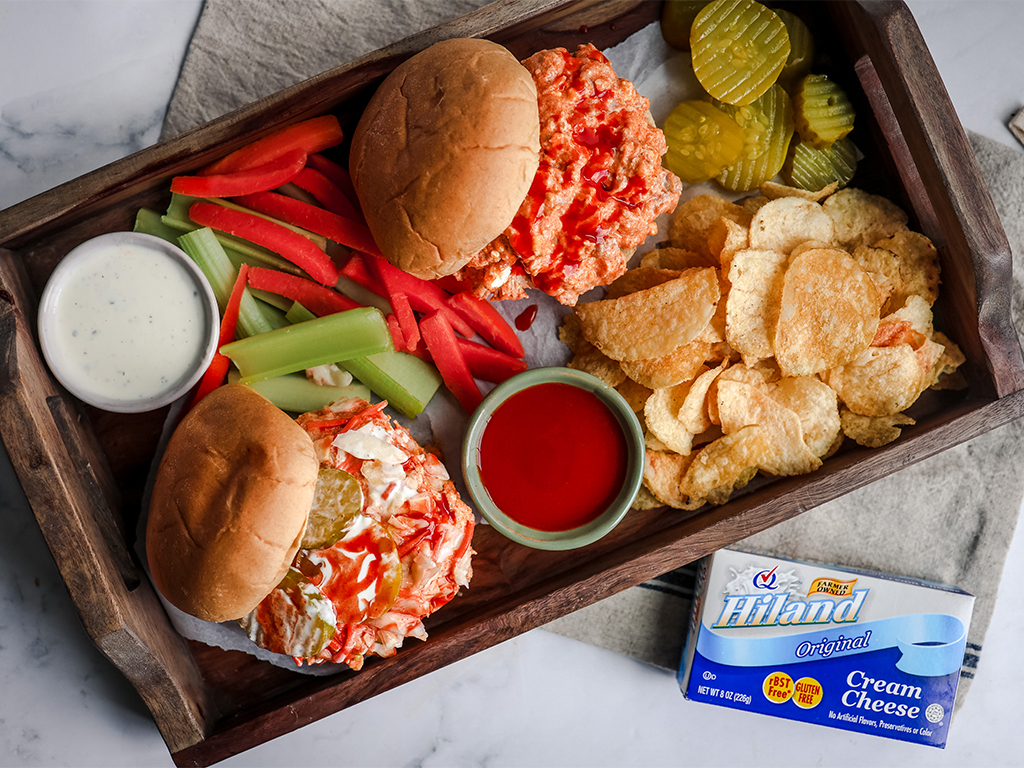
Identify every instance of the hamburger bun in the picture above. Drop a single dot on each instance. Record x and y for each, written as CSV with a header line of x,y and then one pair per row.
x,y
445,154
229,504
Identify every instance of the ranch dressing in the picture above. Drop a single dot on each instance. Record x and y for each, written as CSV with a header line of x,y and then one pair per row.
x,y
130,322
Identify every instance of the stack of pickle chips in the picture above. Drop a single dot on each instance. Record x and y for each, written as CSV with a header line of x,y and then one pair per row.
x,y
765,112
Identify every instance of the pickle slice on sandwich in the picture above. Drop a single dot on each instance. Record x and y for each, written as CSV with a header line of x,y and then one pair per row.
x,y
337,499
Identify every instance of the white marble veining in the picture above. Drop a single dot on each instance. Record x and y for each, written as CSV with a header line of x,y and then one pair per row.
x,y
84,82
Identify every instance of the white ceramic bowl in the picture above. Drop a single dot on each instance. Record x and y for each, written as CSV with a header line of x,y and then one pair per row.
x,y
166,351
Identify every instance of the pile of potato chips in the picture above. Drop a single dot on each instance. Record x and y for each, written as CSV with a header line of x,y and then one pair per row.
x,y
768,331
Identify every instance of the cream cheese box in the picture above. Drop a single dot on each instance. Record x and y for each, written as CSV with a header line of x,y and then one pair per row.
x,y
851,649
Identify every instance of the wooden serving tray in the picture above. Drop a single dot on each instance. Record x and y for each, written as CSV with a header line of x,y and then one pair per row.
x,y
83,470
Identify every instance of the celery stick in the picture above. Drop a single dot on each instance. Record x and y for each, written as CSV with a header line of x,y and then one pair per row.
x,y
179,205
275,316
148,223
298,313
404,380
295,393
272,299
204,249
330,339
320,240
238,250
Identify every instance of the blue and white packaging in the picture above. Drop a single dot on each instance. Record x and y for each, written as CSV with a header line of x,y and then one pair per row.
x,y
850,649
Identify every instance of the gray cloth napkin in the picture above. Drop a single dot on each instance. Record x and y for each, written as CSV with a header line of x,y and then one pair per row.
x,y
948,519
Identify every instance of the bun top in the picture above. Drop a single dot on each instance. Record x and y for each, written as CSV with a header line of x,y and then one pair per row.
x,y
229,504
445,153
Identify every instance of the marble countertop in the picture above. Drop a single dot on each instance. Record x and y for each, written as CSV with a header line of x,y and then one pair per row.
x,y
85,82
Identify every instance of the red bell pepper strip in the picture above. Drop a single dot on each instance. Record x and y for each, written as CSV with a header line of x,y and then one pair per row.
x,y
318,299
397,338
343,231
449,284
355,270
336,173
489,364
423,295
406,319
445,352
270,176
314,135
327,193
218,368
487,321
299,250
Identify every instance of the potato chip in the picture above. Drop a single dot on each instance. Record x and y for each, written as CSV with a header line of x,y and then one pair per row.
x,y
674,258
714,331
661,415
663,472
681,364
694,412
768,369
723,493
773,191
782,224
742,373
861,218
918,266
722,465
817,406
884,268
873,431
675,415
828,313
946,374
725,238
590,359
644,500
639,279
753,204
654,443
752,305
655,321
693,218
807,245
635,394
917,312
571,334
742,404
881,381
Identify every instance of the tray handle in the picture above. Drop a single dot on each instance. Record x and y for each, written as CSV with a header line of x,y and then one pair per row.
x,y
119,610
941,175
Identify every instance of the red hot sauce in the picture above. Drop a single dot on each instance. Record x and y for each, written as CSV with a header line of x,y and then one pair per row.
x,y
553,457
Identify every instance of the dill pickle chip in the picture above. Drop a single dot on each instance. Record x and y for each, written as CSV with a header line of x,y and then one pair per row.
x,y
738,48
702,140
813,169
337,499
767,125
801,48
676,19
824,113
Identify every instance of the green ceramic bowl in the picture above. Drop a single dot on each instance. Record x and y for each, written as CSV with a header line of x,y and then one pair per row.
x,y
574,537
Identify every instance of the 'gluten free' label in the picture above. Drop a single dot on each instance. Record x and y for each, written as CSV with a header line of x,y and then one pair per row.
x,y
807,693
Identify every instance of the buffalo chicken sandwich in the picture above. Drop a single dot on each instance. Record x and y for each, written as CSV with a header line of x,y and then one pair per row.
x,y
508,176
328,538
